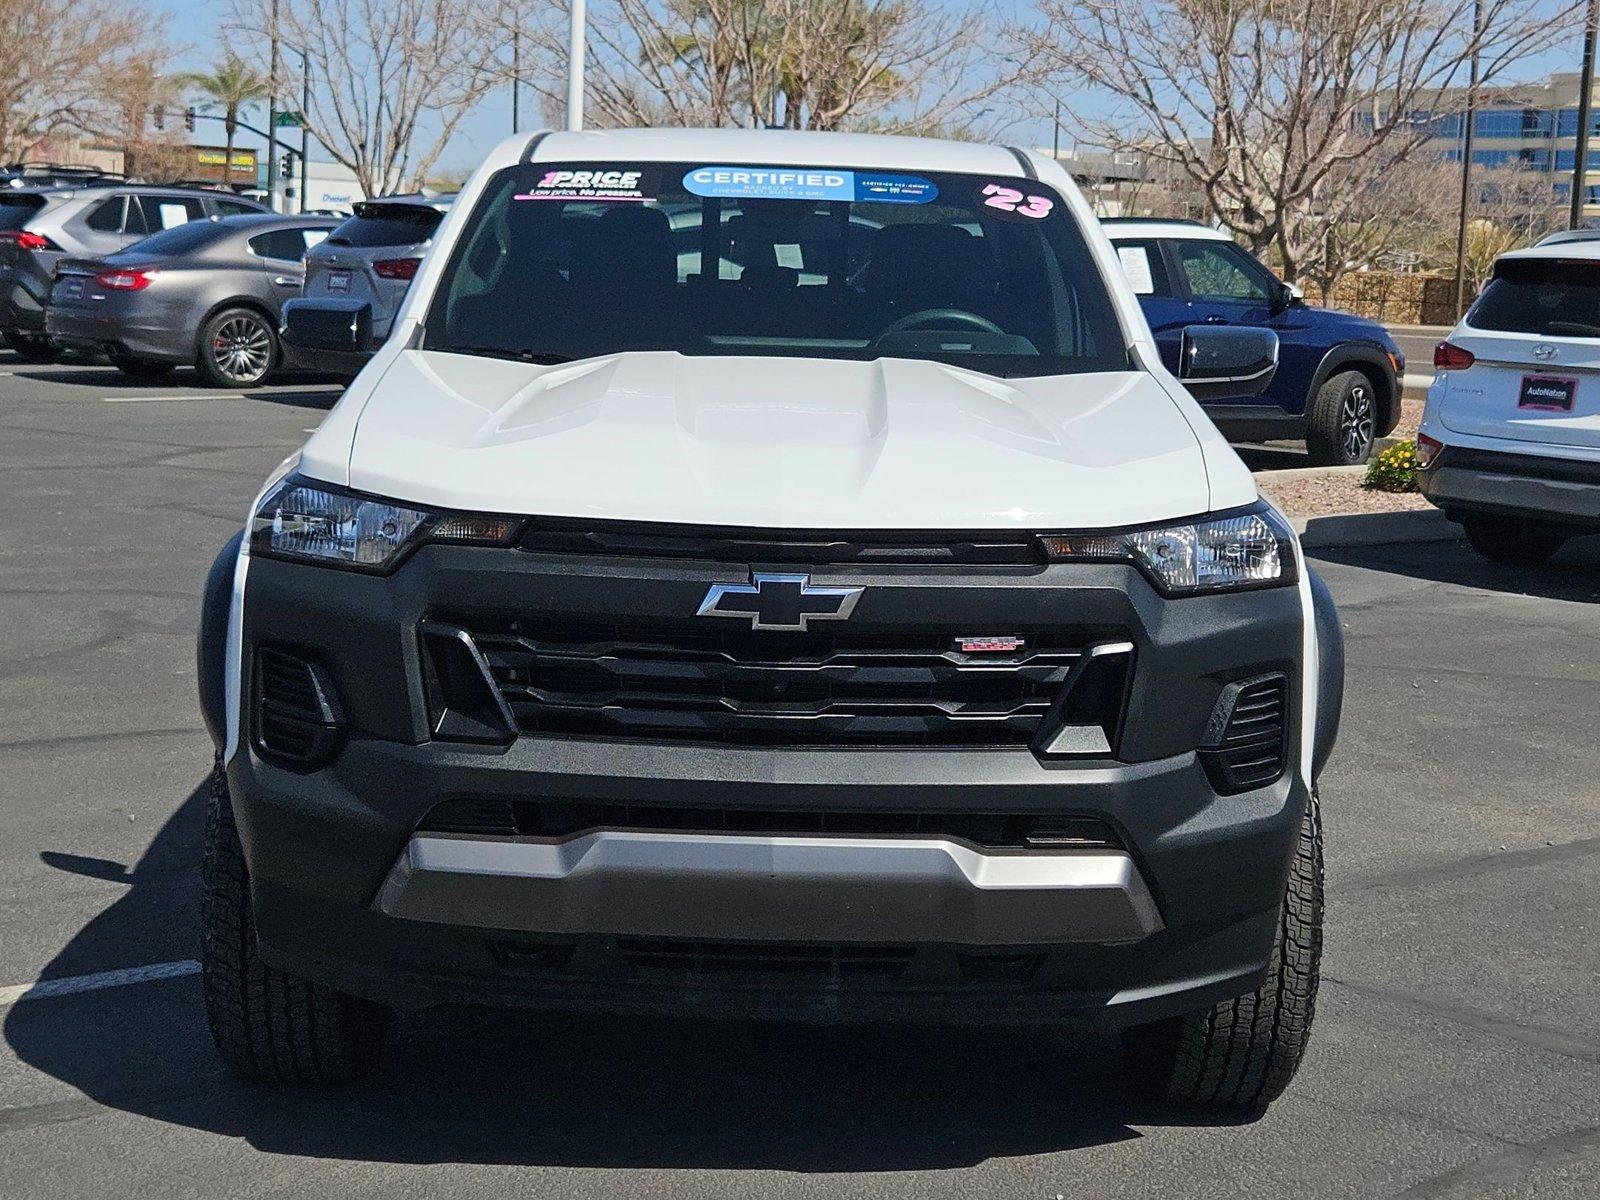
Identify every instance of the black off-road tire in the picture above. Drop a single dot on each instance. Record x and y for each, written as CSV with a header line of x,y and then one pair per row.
x,y
1242,1053
269,1026
1515,541
141,368
32,347
1342,421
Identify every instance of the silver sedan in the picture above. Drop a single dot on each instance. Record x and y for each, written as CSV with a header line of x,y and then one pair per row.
x,y
207,293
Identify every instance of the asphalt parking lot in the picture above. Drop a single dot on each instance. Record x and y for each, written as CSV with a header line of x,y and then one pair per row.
x,y
1457,1045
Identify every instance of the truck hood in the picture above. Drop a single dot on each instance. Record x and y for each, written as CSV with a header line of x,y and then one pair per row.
x,y
774,443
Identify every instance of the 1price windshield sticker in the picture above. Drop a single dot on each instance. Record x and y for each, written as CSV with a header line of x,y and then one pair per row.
x,y
800,183
596,183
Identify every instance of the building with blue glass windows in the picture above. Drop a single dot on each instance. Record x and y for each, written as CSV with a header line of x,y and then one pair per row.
x,y
1533,126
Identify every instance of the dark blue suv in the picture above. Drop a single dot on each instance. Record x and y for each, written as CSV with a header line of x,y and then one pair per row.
x,y
1339,376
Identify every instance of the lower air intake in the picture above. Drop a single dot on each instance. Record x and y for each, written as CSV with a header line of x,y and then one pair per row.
x,y
296,723
1247,736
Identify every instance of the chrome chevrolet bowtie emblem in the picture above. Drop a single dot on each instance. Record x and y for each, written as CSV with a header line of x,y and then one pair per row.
x,y
1544,351
779,602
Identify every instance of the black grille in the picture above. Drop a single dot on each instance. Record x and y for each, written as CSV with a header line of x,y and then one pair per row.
x,y
1245,738
868,687
296,723
681,959
813,549
558,819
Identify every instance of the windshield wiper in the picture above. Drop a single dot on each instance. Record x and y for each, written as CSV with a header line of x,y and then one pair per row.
x,y
538,357
1577,328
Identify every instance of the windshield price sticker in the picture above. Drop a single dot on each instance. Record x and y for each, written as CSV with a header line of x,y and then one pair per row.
x,y
598,183
803,183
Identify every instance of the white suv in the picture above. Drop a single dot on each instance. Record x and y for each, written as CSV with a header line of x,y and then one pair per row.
x,y
1510,438
771,573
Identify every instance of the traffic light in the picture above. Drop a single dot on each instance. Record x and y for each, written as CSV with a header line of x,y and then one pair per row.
x,y
286,167
188,119
158,116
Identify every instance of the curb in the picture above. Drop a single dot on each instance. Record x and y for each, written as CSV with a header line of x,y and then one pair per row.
x,y
1375,529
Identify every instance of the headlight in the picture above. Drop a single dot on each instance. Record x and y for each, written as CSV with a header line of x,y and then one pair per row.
x,y
1251,548
310,521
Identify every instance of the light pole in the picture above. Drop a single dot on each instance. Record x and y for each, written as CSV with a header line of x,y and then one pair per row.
x,y
575,39
516,80
1466,160
272,111
1580,157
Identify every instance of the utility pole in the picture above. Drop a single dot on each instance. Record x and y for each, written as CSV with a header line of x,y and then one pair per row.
x,y
1055,137
1466,161
305,131
1580,157
575,30
516,79
272,113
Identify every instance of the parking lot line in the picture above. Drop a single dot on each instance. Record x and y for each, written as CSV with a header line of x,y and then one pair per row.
x,y
49,988
189,396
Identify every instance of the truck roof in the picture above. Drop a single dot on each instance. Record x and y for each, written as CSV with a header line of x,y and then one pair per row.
x,y
781,147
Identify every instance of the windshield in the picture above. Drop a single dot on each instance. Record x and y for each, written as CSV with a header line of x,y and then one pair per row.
x,y
1540,295
564,261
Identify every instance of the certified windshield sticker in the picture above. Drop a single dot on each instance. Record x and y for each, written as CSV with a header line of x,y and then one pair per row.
x,y
806,183
593,184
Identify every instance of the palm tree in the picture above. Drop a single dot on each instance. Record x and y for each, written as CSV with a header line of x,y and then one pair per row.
x,y
233,85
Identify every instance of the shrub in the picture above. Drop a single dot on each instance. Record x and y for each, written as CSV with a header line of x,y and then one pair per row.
x,y
1394,469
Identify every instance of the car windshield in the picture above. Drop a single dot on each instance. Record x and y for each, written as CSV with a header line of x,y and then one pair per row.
x,y
1540,295
565,261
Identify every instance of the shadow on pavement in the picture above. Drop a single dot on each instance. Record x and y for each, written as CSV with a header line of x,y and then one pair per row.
x,y
508,1087
1573,574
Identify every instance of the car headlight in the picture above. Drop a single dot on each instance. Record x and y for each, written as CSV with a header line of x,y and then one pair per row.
x,y
1250,548
316,522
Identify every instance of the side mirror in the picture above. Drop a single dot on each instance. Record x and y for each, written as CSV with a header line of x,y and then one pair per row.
x,y
1227,362
328,323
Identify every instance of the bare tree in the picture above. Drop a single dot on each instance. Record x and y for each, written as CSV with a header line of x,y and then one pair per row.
x,y
1282,111
1395,212
62,66
1509,208
889,65
391,79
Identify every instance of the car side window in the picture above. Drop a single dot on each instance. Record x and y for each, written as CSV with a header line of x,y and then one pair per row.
x,y
106,217
1145,267
168,212
286,245
232,208
1222,271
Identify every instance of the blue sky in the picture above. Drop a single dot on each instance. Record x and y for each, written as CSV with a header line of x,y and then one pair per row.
x,y
194,23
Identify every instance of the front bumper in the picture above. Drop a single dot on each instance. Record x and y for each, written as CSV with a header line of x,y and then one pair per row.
x,y
1176,910
1560,491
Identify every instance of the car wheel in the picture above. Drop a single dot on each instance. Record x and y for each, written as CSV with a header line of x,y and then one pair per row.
x,y
1242,1053
32,347
1343,421
269,1025
238,348
1515,541
140,368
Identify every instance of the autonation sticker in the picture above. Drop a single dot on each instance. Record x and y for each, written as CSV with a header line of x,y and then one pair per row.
x,y
807,183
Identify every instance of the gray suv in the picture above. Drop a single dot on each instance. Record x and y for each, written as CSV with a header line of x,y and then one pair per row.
x,y
207,293
369,260
40,226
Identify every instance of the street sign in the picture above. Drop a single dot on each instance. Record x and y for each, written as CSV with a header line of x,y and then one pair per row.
x,y
289,120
